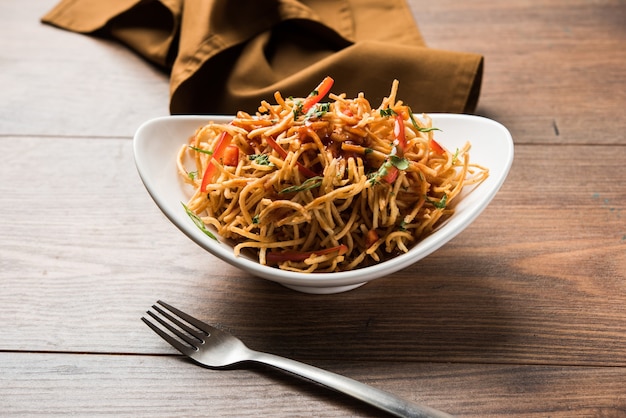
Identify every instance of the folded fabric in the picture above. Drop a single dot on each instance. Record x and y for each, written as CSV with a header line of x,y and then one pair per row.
x,y
224,56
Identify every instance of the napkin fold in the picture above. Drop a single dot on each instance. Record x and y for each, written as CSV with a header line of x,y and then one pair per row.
x,y
223,56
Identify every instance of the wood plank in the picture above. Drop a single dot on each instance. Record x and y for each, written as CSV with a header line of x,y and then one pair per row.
x,y
538,279
551,69
99,385
55,82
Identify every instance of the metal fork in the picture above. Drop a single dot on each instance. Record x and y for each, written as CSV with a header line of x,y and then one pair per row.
x,y
215,348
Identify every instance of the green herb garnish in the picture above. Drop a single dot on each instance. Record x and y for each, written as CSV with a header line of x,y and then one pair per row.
x,y
387,112
317,111
297,109
441,204
198,222
261,159
203,151
374,178
391,161
455,156
417,127
308,184
427,129
398,162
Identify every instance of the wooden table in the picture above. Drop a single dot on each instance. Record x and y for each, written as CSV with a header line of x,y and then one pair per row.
x,y
523,314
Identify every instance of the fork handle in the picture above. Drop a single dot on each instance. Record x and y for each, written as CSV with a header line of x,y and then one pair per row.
x,y
368,394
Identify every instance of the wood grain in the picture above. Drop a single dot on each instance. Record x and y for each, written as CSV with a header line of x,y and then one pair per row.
x,y
551,68
523,314
57,384
59,83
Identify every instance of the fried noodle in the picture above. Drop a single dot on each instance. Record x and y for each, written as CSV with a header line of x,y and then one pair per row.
x,y
335,187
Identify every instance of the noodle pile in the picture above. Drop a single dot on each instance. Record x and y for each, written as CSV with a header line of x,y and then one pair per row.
x,y
321,187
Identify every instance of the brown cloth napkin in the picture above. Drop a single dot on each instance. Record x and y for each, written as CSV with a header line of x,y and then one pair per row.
x,y
225,56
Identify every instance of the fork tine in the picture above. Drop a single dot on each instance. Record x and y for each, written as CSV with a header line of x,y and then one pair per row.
x,y
186,350
199,335
190,319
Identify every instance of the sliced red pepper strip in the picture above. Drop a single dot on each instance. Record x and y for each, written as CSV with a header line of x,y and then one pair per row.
x,y
392,175
231,155
274,257
398,132
400,135
434,145
317,94
280,150
371,238
283,154
218,152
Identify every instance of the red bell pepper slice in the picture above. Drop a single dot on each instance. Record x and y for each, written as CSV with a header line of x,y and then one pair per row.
x,y
283,154
371,238
280,150
400,135
392,175
317,94
434,145
398,132
231,155
218,153
274,257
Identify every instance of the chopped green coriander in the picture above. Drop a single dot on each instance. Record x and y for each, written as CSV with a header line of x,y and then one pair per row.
x,y
297,109
374,178
192,175
308,184
398,162
392,161
417,127
387,112
455,156
203,151
441,204
317,111
198,222
261,159
427,129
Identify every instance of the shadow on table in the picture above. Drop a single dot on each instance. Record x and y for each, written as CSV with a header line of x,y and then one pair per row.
x,y
418,314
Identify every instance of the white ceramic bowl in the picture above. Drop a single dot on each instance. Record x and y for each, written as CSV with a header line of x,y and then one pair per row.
x,y
157,141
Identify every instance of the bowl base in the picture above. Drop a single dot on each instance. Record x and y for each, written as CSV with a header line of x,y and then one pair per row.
x,y
323,290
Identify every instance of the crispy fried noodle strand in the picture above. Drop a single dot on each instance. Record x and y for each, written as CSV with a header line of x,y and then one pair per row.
x,y
321,187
